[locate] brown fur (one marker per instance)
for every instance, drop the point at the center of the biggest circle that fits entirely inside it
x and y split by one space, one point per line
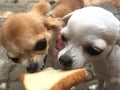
21 31
93 2
63 7
115 2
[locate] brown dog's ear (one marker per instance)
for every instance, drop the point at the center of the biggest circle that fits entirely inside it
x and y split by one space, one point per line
42 7
66 18
53 23
93 2
115 2
8 14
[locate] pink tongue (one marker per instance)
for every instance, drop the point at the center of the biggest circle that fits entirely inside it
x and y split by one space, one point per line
59 46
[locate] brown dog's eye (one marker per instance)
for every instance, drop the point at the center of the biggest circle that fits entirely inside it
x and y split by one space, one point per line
14 59
41 45
93 51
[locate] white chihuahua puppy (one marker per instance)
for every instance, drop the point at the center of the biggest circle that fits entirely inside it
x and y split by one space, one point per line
92 34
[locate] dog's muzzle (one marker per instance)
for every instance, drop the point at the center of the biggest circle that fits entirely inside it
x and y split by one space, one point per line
66 61
33 67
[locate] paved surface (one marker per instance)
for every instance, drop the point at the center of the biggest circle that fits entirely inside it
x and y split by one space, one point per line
9 71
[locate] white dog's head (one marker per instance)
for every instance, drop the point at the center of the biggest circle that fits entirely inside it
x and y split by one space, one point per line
90 34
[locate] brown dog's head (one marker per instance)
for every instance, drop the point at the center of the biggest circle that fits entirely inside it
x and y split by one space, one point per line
28 36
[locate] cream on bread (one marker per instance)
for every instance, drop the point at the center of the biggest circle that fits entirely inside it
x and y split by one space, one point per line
51 79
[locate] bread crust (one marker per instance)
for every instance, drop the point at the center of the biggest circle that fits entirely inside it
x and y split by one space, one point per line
56 79
71 80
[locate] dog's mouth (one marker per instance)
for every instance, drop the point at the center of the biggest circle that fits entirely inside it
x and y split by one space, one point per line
59 45
66 68
44 61
34 67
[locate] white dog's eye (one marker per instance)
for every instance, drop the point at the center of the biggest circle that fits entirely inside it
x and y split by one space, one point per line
64 38
93 50
41 45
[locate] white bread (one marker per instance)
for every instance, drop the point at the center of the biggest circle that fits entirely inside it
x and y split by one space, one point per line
51 79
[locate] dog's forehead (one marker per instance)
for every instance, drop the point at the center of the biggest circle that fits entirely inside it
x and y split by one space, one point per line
92 20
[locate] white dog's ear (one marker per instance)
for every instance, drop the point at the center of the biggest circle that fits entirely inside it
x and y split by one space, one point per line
118 40
8 14
66 18
115 52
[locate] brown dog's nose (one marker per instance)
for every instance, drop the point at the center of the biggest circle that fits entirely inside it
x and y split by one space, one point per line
66 60
32 67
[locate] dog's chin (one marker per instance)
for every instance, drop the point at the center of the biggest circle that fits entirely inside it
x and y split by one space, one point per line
71 68
66 68
44 63
74 66
78 65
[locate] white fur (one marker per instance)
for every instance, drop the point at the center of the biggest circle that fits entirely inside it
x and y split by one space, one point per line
97 27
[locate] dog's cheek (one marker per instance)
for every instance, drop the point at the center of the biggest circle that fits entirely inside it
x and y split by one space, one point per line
78 62
24 62
78 56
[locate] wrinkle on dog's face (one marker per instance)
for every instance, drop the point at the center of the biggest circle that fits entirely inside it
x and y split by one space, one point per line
89 38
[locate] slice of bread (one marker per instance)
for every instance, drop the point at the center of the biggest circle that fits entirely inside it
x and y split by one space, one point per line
51 79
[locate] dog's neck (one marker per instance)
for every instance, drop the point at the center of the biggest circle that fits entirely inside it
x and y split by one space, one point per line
109 73
109 69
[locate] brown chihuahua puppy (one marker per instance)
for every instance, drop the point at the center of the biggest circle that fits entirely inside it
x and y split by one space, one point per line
63 7
28 37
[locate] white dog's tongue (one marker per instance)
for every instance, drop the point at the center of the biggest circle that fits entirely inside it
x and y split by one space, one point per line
59 46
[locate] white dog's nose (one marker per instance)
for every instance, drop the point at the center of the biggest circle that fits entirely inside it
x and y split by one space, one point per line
65 61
